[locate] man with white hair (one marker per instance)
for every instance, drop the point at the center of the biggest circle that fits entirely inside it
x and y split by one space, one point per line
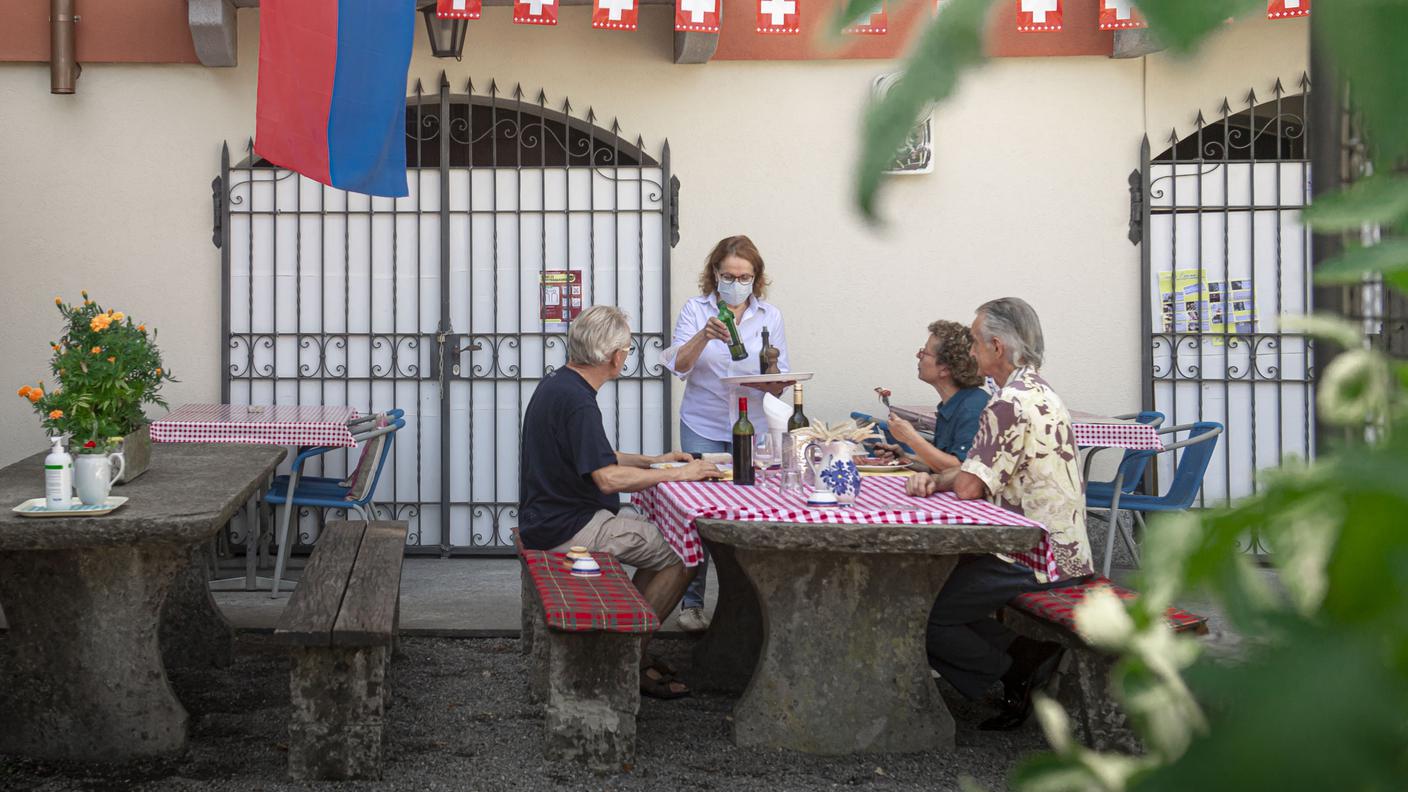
570 477
1023 459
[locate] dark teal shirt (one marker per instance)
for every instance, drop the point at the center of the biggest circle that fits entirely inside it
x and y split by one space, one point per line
956 421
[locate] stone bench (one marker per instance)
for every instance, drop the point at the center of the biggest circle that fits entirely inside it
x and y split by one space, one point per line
1082 682
584 635
340 624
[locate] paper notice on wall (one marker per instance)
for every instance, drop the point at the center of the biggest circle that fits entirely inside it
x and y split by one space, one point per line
1188 300
1243 310
1190 303
562 295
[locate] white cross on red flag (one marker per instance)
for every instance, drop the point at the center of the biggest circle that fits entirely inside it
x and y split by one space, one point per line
1119 15
1283 9
875 24
615 14
458 9
780 16
697 16
1038 16
535 12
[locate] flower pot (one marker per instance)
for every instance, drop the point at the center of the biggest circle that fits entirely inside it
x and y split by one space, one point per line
136 448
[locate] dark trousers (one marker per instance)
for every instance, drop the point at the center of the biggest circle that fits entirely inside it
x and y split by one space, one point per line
967 646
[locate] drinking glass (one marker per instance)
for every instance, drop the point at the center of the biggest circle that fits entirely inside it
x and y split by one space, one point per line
767 453
789 482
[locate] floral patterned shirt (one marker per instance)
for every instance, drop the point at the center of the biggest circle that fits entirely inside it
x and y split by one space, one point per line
1025 453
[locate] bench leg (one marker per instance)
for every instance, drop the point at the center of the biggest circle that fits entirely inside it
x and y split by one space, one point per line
526 616
593 697
1084 692
338 705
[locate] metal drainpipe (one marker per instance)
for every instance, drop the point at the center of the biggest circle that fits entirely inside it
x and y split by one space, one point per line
63 60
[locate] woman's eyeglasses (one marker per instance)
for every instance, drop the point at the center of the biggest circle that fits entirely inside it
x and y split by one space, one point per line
746 280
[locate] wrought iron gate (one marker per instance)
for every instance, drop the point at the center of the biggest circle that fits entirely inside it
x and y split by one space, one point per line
435 303
1224 255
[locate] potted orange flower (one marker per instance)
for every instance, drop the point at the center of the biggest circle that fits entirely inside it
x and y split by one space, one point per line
107 368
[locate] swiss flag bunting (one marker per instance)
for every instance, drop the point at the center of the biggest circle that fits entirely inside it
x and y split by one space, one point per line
1281 9
874 25
1038 16
1120 14
697 16
615 14
458 9
535 12
779 16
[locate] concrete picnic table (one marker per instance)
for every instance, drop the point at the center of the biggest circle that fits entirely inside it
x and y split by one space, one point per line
83 666
826 622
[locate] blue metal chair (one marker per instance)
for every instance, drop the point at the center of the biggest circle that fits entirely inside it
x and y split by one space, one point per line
884 427
1132 464
329 493
1197 448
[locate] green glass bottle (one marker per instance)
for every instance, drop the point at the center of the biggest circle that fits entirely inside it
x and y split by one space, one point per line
799 418
735 346
743 445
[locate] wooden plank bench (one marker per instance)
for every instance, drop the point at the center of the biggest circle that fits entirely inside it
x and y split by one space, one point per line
1082 682
341 625
585 638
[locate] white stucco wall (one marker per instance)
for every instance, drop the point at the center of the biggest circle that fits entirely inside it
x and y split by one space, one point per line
108 190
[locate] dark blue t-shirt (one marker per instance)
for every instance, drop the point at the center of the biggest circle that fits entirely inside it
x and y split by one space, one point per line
563 442
956 421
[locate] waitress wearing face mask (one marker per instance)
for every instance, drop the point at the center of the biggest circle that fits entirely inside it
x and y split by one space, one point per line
733 275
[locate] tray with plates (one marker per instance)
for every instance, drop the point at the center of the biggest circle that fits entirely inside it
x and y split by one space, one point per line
762 379
35 507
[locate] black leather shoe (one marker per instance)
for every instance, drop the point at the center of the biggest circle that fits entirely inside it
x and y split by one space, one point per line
1017 699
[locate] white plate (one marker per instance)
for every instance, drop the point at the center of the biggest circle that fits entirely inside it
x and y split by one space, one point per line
667 465
34 507
757 379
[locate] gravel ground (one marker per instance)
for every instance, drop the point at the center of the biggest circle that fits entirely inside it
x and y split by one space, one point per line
460 721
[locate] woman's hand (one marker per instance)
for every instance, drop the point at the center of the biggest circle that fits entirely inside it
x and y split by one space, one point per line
903 430
887 451
714 330
775 388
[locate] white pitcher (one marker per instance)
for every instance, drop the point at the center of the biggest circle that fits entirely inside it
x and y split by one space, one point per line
833 467
93 476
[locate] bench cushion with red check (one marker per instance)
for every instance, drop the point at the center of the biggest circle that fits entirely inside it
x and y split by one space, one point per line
608 603
1058 605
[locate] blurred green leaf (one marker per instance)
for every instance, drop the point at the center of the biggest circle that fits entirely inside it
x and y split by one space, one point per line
1391 255
1321 711
1366 38
952 43
852 11
1182 24
1378 199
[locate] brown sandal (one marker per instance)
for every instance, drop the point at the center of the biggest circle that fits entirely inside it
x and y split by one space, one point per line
661 686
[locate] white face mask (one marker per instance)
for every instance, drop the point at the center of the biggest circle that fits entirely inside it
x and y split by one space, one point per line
734 293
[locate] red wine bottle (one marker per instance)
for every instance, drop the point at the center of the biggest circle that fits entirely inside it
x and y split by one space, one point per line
743 445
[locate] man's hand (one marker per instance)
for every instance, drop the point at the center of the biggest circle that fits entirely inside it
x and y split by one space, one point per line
903 430
920 485
698 470
672 456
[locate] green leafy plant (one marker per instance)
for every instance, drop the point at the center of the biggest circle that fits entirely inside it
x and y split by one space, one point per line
107 367
1318 698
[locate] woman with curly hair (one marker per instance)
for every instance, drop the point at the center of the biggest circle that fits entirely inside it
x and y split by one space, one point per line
946 363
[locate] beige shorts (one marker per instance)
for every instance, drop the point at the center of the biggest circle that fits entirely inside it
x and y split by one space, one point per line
630 539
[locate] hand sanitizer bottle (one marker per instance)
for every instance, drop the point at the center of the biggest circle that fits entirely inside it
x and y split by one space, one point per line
58 476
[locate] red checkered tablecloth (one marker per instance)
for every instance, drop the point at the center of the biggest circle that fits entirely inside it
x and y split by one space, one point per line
675 505
1091 431
607 603
286 425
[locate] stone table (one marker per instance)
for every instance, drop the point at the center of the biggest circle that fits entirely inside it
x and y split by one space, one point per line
81 670
831 620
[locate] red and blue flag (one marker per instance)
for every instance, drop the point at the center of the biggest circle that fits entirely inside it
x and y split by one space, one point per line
332 91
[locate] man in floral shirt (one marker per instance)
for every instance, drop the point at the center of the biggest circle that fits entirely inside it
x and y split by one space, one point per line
1023 459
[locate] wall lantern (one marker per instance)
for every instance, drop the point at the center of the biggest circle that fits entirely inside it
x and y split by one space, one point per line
446 35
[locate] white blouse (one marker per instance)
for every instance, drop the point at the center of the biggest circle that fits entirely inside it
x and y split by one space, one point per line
709 406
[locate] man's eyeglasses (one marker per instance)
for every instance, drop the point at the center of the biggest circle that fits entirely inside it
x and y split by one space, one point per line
746 280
